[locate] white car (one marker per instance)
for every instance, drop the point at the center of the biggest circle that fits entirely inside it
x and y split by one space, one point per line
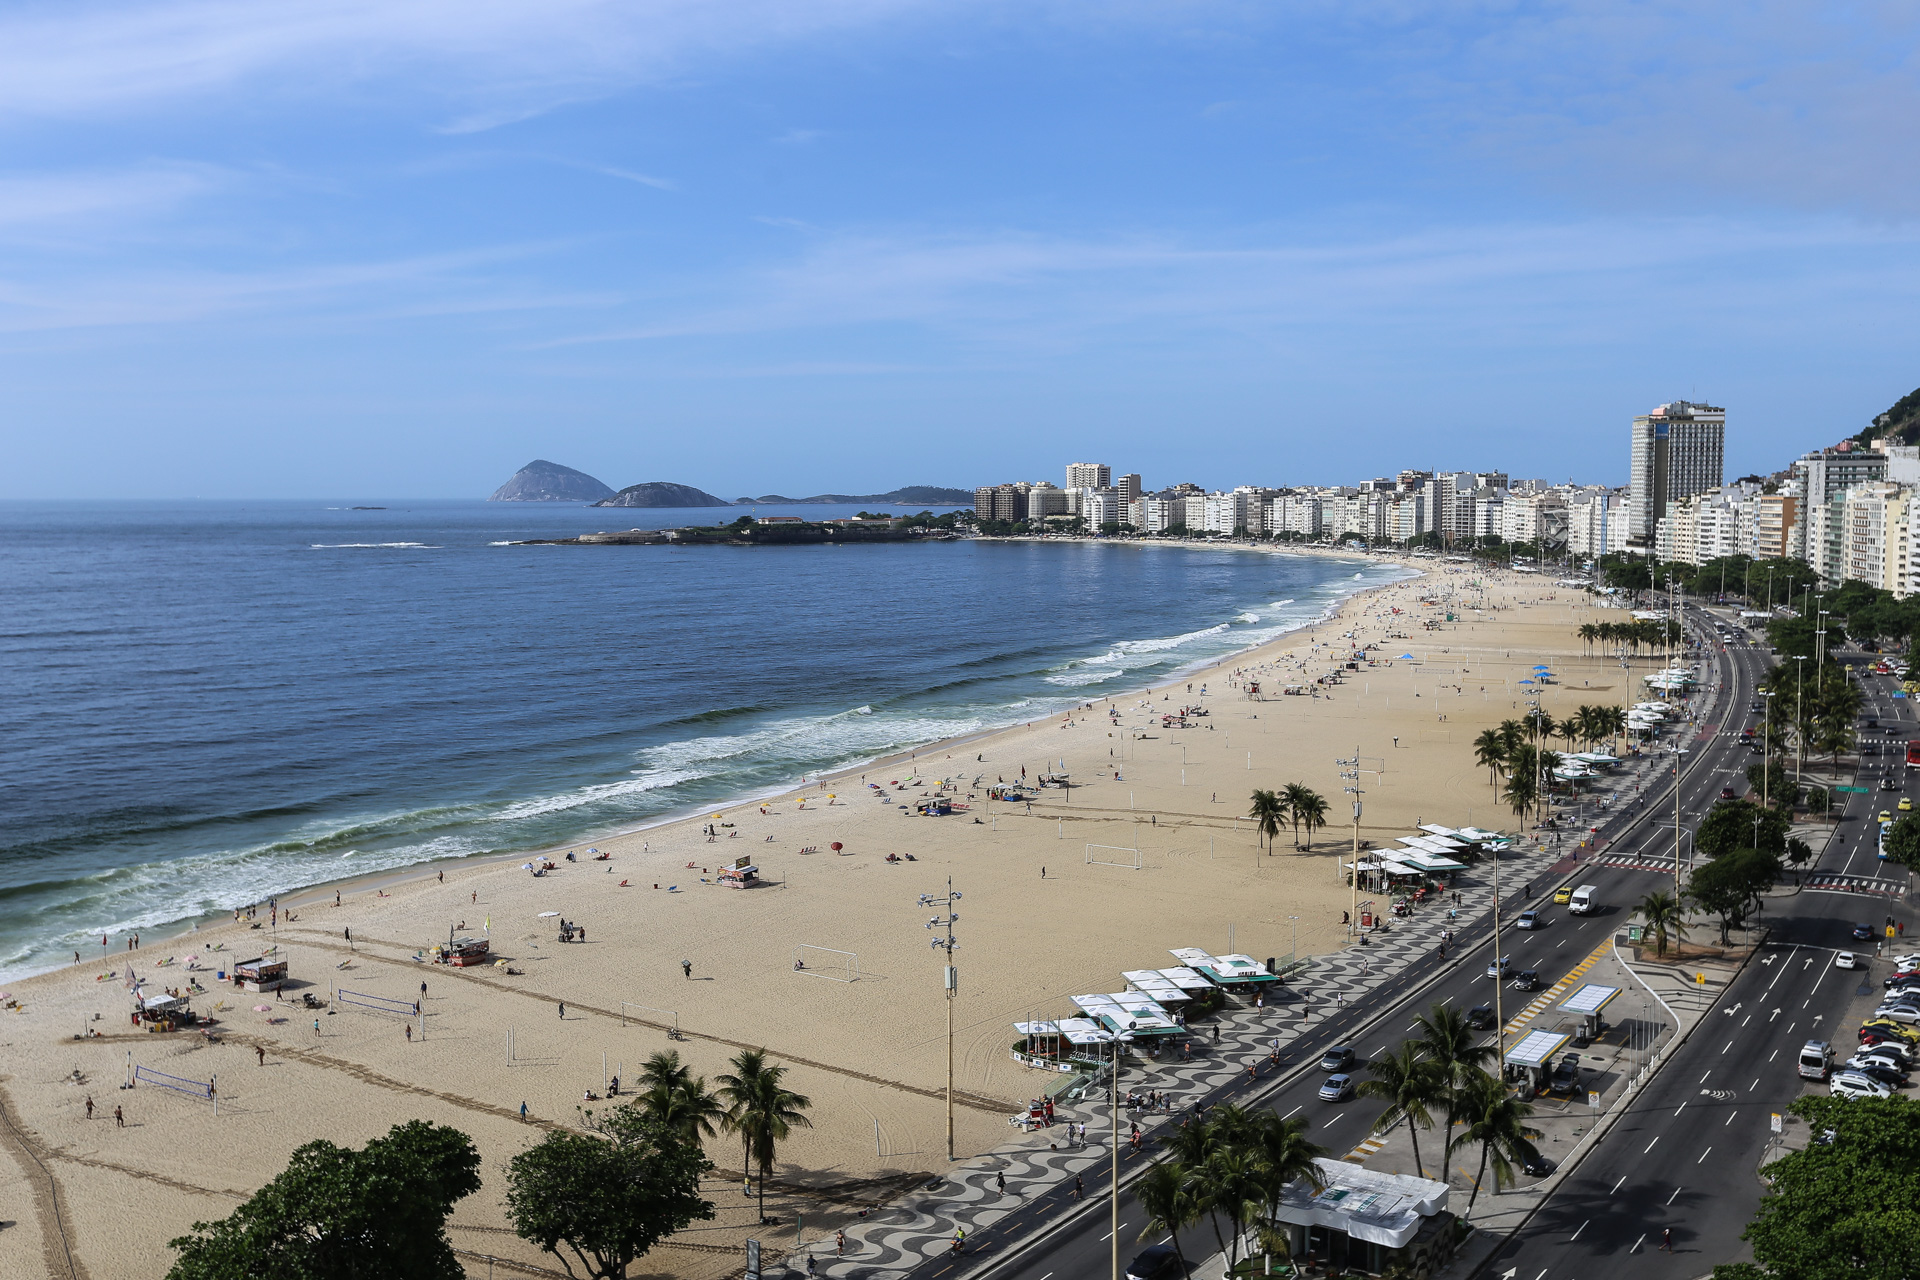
1847 960
1908 1013
1908 961
1851 1084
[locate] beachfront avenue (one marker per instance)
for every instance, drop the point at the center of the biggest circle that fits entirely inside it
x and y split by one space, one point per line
1707 1110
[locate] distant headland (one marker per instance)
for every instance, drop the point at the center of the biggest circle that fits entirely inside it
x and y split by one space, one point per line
543 481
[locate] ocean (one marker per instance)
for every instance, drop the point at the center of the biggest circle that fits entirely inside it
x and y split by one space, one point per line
203 704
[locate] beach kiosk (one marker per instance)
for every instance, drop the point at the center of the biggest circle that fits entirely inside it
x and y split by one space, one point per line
1587 1004
741 875
1531 1061
1363 1220
463 952
1129 1015
260 974
162 1012
1068 1044
1242 974
1157 987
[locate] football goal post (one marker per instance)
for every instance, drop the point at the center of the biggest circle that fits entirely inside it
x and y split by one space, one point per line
1122 857
639 1013
826 962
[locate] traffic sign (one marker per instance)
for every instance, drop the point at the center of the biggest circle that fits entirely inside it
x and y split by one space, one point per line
1855 791
1777 1125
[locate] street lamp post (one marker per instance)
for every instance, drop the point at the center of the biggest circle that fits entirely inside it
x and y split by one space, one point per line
950 979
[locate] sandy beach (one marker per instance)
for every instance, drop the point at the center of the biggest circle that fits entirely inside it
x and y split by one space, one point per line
1039 923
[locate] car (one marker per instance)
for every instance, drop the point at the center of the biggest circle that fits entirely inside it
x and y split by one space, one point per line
1847 960
1480 1017
1889 1029
1888 783
1338 1058
1728 793
1899 1011
1529 920
1905 805
1527 980
1884 1054
1875 1069
1872 723
1886 817
1851 1084
1500 968
1563 895
1566 1075
1899 1051
1337 1088
1909 961
1535 1165
1154 1262
1901 977
1862 933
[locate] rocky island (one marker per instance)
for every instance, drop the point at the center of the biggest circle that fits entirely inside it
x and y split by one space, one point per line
543 481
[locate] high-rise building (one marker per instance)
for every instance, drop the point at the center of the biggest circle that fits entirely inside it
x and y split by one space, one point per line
1128 487
1089 475
1678 450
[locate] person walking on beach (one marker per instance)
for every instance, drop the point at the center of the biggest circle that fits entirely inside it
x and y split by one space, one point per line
260 1052
119 1119
316 1028
523 1113
409 1027
89 1106
686 968
563 1011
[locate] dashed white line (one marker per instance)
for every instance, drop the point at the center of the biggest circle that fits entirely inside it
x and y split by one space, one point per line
1616 1186
1729 1046
1329 1124
1656 1138
1704 1155
1638 1243
1682 1107
1289 1114
1731 1115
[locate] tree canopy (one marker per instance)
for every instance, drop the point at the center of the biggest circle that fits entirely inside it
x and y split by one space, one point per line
1846 1207
605 1198
378 1213
1731 885
1741 824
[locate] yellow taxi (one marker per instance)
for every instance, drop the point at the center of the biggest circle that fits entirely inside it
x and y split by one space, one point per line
1885 816
1564 894
1905 805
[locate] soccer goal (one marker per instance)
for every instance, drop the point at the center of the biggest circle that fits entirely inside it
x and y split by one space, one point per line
200 1089
376 1004
826 962
1122 857
638 1013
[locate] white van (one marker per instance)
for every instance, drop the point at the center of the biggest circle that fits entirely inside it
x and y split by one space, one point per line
1585 900
1816 1060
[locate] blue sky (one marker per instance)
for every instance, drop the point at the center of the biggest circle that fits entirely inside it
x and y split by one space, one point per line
398 249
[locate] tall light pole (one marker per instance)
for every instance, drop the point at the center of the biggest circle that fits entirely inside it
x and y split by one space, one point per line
1350 771
951 978
1113 1185
1799 725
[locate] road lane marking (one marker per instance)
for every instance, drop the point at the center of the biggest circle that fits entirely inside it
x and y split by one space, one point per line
1656 1138
1776 1052
1704 1155
1616 1186
1329 1124
1638 1243
1703 1079
1682 1107
1754 1085
1287 1116
1577 1231
1731 1115
1729 1046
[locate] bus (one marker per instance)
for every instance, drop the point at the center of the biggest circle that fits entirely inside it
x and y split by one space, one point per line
1913 754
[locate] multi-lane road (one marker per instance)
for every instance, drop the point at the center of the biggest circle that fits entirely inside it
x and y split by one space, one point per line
1684 1156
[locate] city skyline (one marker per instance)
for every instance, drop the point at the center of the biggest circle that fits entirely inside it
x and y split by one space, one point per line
399 250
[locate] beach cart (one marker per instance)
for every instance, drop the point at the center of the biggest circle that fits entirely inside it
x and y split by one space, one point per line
260 974
162 1012
741 875
463 952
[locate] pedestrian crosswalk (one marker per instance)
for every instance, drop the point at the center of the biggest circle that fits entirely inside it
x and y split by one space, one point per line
1553 993
1833 882
1360 1153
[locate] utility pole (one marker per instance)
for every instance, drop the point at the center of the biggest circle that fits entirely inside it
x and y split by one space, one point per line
951 979
1113 1187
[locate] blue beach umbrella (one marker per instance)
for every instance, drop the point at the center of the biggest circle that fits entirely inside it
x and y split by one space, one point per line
1526 682
1409 657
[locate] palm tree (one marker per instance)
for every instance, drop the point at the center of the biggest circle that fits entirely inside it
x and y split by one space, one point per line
678 1099
1490 750
762 1111
1268 811
1498 1122
1450 1045
1513 733
1163 1192
1310 808
1230 1183
1411 1085
1664 916
1292 796
1286 1156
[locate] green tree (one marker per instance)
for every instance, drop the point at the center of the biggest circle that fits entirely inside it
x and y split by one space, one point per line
1496 1121
762 1111
678 1099
1903 840
1490 752
1164 1193
341 1214
1731 886
1770 779
1268 811
1451 1045
1848 1209
1665 918
1740 824
1411 1084
1308 807
604 1198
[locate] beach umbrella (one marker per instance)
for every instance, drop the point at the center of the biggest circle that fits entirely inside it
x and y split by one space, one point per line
263 1008
1407 656
1526 682
835 846
1540 667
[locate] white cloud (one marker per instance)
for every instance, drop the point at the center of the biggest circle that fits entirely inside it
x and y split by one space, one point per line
509 58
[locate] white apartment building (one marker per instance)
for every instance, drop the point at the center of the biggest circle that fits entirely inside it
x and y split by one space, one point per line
1297 513
1044 500
1089 475
1875 535
1101 507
